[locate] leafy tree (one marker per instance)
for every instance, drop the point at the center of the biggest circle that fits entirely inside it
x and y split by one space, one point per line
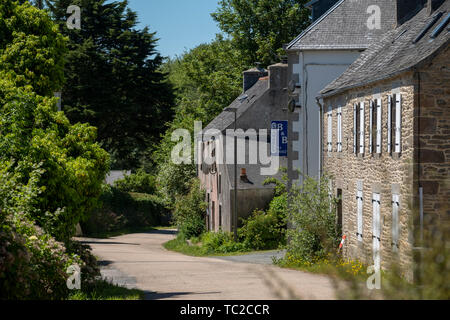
31 48
113 78
206 79
259 28
37 143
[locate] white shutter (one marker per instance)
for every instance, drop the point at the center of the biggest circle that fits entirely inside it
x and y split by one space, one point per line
376 230
398 123
339 128
330 129
389 125
371 108
359 209
354 127
361 128
395 221
379 128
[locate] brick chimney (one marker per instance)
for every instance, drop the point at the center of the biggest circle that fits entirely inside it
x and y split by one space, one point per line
406 9
251 76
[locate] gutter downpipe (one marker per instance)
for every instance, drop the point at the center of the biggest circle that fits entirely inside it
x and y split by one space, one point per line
320 135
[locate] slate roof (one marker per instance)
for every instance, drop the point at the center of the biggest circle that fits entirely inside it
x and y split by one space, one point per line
225 119
344 26
395 52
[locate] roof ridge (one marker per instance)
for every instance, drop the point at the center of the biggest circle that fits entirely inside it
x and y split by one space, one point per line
312 25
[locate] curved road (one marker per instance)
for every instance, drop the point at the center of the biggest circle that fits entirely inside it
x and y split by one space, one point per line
140 261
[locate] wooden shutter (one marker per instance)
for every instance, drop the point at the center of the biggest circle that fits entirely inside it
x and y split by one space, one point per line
361 127
395 221
339 129
371 108
398 123
376 201
330 129
355 123
379 127
359 213
389 125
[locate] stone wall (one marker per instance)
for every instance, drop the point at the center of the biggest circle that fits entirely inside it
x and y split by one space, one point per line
384 173
433 136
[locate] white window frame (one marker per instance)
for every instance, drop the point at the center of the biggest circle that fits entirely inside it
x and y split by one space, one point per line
359 214
379 125
330 129
362 127
339 129
395 222
398 123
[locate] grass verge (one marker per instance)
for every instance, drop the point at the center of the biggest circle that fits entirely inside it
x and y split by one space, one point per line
104 290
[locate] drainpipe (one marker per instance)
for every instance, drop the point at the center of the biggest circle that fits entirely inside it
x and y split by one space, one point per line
320 135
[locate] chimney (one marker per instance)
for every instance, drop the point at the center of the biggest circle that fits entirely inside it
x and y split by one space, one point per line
251 76
406 9
278 74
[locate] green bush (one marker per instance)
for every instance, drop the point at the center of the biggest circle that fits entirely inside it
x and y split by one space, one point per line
220 242
140 182
189 212
260 231
312 213
122 210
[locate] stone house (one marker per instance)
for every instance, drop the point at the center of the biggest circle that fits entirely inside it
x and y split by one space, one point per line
386 133
262 102
339 32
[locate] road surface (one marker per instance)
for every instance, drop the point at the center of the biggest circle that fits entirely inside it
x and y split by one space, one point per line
140 261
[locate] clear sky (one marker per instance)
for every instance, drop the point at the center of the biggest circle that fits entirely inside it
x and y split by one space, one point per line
180 24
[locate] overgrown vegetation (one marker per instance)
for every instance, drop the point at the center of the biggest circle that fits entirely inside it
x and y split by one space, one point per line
123 211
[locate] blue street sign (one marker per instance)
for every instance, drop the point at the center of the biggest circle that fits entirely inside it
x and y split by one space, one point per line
279 147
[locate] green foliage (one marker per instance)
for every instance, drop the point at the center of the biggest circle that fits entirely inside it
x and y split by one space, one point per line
31 48
73 166
104 290
189 212
122 210
262 231
128 99
220 242
259 28
140 182
312 213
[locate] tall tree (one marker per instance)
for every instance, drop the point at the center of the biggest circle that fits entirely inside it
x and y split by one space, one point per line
113 78
259 28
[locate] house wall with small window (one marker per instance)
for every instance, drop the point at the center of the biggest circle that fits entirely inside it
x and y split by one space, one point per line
368 149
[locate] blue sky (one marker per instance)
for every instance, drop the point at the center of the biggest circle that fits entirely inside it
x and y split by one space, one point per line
180 24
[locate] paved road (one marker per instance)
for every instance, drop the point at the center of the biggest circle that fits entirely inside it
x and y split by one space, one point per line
140 261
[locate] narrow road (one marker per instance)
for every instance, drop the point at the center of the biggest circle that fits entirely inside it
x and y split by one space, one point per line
140 261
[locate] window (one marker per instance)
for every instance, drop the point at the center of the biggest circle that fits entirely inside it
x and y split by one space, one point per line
379 127
398 123
330 129
395 221
339 212
359 209
219 184
361 127
339 129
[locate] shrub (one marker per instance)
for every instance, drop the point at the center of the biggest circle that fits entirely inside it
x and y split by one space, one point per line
220 242
140 182
32 264
189 212
121 210
260 231
312 213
